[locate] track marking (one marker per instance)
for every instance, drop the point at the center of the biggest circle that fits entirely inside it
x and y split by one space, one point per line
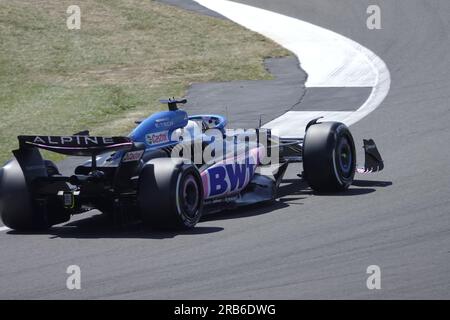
330 59
292 123
4 229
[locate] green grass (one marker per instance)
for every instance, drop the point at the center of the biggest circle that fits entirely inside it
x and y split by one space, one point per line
127 55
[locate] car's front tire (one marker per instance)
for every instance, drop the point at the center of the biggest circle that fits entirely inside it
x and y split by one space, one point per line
329 157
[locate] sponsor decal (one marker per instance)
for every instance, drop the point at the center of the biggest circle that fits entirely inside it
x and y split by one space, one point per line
71 140
163 123
157 137
133 156
228 178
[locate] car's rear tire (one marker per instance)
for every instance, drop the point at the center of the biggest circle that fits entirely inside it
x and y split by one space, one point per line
170 194
17 210
329 157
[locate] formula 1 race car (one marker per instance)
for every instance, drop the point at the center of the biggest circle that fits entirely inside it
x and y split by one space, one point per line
170 169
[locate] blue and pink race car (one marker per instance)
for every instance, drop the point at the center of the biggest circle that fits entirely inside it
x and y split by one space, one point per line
171 169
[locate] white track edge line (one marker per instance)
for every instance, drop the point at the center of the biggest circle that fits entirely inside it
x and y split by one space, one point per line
298 42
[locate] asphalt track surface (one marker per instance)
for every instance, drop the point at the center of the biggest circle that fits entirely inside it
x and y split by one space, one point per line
304 245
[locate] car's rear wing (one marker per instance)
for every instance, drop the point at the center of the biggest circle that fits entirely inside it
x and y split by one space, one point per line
32 163
77 145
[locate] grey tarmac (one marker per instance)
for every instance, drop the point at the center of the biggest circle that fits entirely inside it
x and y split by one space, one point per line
303 245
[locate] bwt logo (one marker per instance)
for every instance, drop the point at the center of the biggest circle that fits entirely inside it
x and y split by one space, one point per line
228 178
